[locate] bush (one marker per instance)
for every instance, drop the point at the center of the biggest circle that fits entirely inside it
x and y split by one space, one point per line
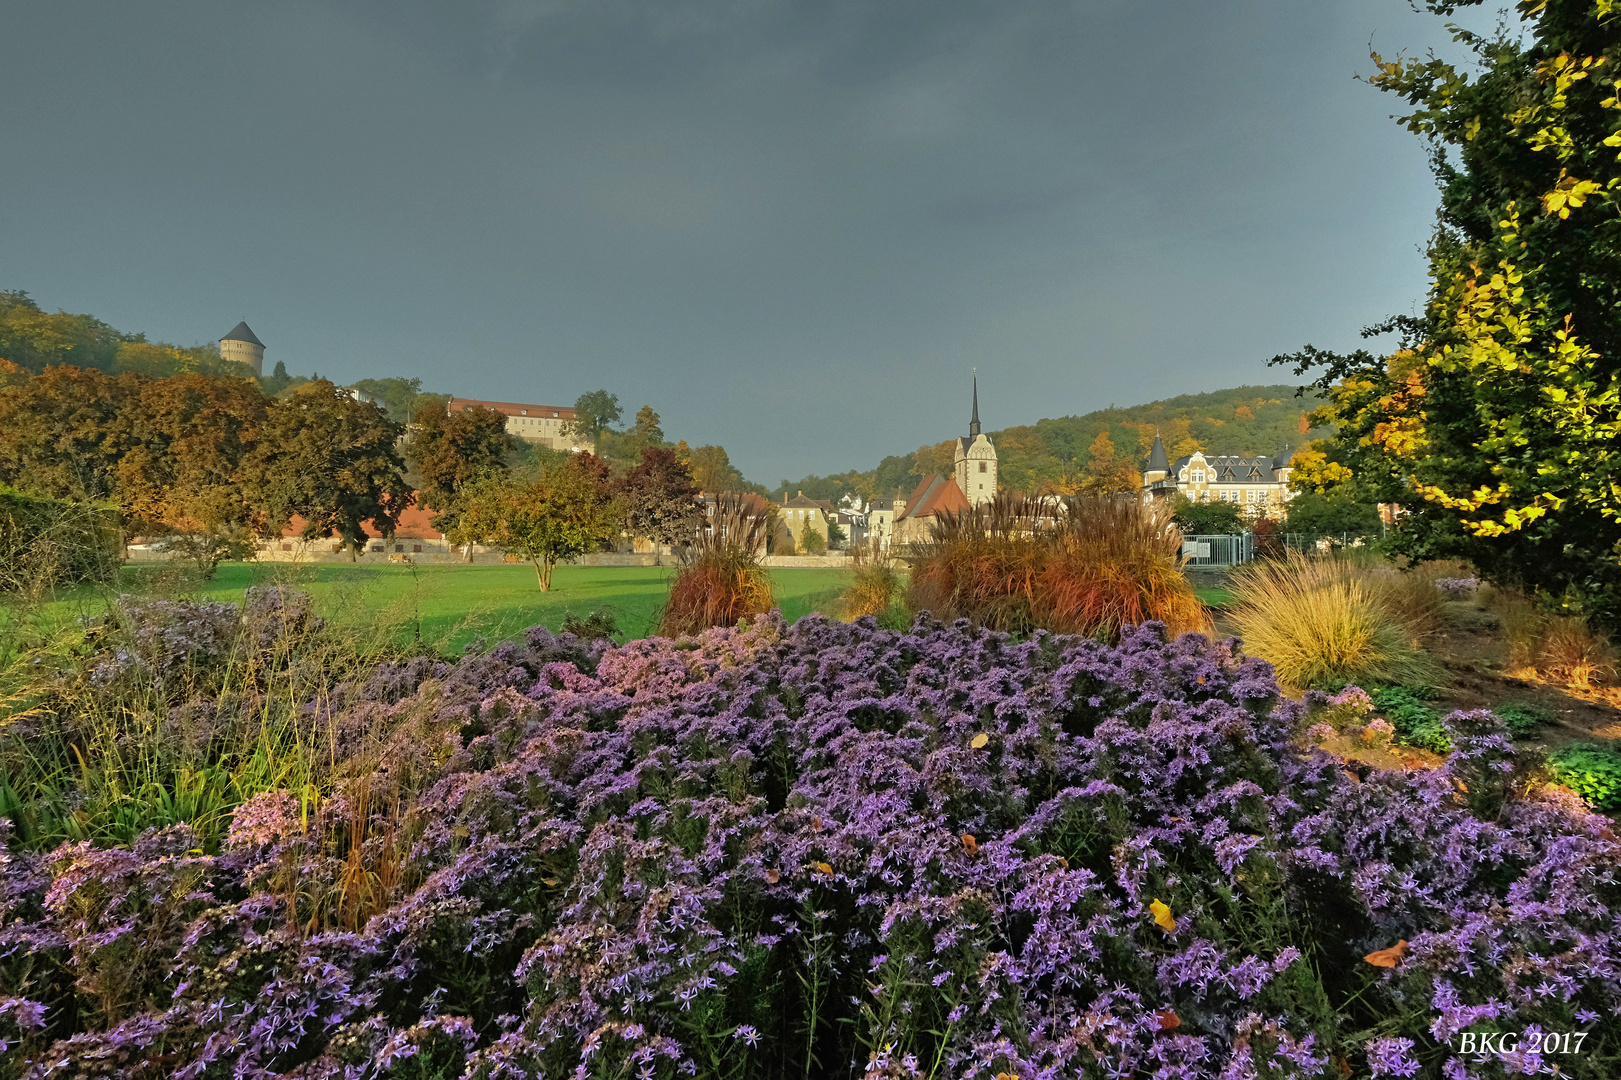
721 580
1561 644
1086 566
599 625
1591 770
1322 621
1523 718
811 542
50 542
772 851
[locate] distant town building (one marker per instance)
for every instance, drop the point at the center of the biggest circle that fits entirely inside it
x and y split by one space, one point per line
974 459
799 513
1258 485
934 495
241 346
540 424
881 515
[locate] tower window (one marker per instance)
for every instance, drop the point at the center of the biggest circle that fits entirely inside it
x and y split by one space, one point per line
982 469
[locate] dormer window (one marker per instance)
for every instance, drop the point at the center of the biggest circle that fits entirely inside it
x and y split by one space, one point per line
1198 476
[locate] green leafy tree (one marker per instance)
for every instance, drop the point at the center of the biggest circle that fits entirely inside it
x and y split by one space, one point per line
646 429
1336 514
1206 518
400 398
330 460
1497 420
594 413
836 536
556 514
811 540
448 450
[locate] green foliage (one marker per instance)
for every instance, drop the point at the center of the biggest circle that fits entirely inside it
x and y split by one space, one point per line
49 542
1206 518
1591 770
599 625
811 541
1333 515
332 461
594 413
448 450
545 518
1497 420
1523 718
1415 722
400 398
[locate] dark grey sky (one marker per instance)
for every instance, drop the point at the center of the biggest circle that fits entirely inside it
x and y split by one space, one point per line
791 227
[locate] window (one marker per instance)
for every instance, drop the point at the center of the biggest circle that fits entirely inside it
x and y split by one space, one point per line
285 546
417 548
399 547
377 547
983 468
1198 476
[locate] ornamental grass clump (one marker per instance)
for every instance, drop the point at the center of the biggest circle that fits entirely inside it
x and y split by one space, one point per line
875 582
1321 621
828 850
1075 566
721 580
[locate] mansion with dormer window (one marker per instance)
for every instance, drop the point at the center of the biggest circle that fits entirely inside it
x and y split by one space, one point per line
1259 485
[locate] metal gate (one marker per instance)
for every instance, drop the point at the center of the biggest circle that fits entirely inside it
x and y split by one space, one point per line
1217 552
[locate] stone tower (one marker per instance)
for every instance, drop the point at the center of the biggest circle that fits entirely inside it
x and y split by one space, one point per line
240 345
975 460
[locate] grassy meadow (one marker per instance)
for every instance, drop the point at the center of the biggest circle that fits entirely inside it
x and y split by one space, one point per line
447 606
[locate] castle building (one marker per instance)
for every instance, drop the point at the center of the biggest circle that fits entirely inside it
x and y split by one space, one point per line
975 460
241 346
541 424
1259 485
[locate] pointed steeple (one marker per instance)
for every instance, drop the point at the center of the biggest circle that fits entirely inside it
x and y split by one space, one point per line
1157 460
973 423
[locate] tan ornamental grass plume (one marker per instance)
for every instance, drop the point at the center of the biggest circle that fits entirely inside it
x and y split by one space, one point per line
1330 619
875 582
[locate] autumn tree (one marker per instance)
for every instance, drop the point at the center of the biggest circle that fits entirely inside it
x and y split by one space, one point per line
1206 518
64 431
400 398
1106 473
660 499
1496 420
449 450
331 460
552 515
712 470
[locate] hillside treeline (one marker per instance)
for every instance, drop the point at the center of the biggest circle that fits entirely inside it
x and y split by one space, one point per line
1102 449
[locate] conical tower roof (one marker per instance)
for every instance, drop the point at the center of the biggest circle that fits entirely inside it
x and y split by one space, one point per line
240 332
1157 461
973 422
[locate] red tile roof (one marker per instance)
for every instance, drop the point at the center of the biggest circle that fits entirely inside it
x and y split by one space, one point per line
935 495
414 525
512 408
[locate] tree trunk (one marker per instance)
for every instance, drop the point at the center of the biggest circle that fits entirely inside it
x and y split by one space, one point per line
353 550
543 574
469 553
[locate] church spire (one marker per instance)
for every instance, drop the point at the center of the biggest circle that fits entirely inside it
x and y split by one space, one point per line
973 423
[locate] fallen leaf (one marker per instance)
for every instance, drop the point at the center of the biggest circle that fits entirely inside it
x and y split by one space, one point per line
460 830
816 824
1344 1066
773 875
978 741
548 881
823 868
1162 917
1168 1020
1387 958
1063 862
969 843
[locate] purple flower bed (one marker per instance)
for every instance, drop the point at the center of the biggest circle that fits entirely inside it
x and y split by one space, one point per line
829 850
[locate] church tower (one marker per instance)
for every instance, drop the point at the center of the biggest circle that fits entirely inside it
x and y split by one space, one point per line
240 345
975 459
1159 466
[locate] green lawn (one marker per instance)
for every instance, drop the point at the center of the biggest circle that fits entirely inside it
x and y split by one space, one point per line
455 604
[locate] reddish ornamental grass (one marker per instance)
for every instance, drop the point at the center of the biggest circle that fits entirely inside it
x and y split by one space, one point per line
1078 565
721 579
